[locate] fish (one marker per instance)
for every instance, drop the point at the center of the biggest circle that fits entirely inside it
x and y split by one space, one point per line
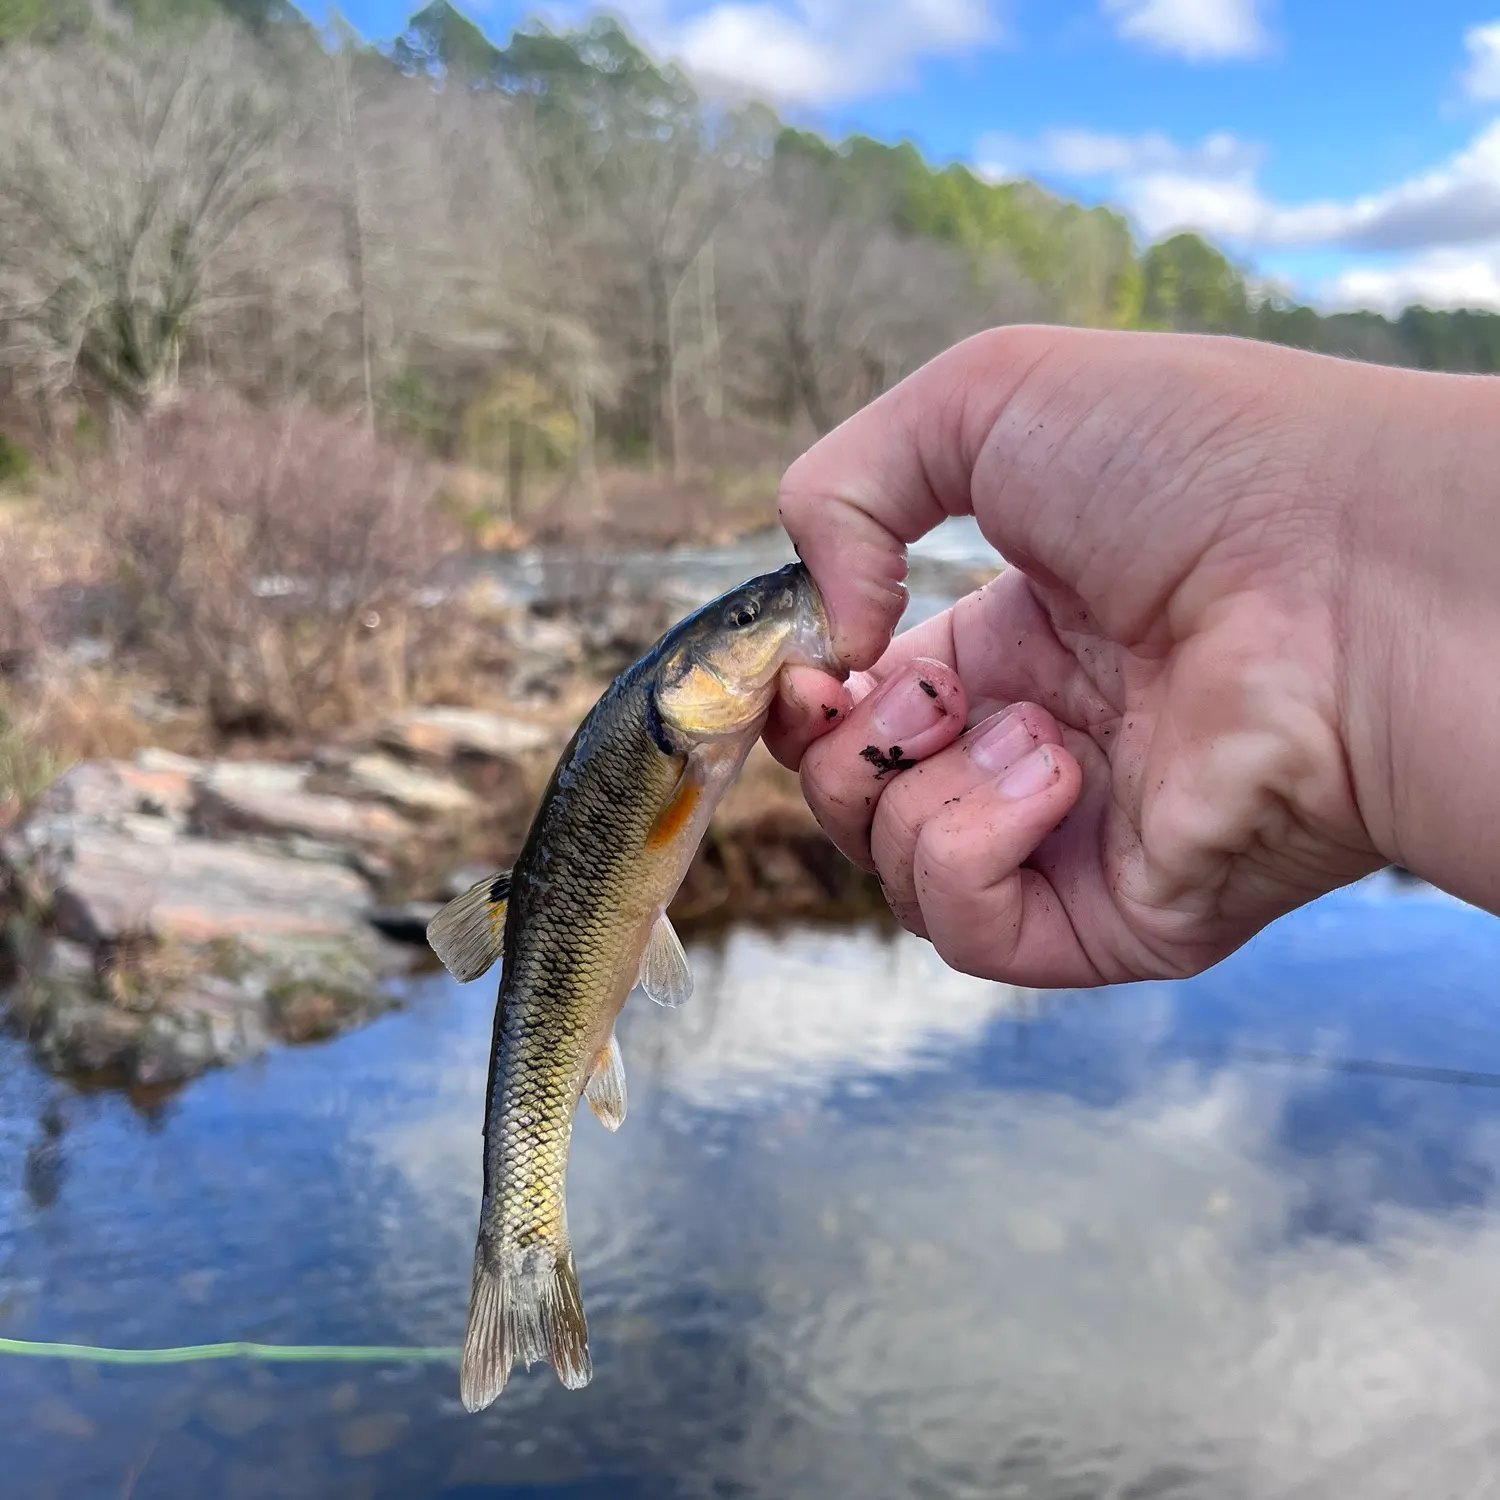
580 921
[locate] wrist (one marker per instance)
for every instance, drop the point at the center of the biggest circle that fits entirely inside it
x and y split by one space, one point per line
1421 625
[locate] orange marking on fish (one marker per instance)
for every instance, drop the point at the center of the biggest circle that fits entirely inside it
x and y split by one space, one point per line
676 815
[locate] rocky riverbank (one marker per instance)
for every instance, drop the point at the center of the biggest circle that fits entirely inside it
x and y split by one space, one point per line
166 915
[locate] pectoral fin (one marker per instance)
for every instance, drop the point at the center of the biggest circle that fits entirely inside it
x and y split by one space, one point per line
605 1089
678 813
665 975
468 934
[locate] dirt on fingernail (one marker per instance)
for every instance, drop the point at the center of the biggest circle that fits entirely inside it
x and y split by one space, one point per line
886 761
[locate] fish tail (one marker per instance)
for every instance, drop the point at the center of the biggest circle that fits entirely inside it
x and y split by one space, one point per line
525 1310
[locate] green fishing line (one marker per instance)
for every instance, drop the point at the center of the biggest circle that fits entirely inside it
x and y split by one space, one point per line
266 1353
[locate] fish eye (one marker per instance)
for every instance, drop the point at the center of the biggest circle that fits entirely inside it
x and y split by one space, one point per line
747 612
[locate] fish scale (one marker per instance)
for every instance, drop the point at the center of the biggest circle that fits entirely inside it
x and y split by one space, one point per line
578 920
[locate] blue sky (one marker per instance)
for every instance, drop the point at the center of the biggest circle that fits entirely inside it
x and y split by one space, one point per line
1348 148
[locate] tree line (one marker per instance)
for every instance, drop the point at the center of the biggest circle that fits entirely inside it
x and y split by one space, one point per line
534 255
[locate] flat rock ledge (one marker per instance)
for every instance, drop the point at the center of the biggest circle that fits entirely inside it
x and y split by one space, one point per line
166 915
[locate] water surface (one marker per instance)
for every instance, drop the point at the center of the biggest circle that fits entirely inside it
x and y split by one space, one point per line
871 1229
941 565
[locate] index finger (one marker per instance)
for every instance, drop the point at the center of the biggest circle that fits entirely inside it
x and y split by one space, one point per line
896 469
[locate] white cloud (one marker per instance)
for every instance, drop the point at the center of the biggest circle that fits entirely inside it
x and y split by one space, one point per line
977 1280
813 51
1482 78
1446 220
767 1041
1443 279
1089 153
1200 30
1457 203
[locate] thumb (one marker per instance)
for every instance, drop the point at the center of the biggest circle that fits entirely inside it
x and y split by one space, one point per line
1054 438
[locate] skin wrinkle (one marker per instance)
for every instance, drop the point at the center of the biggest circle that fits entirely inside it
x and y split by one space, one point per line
1420 541
979 421
1289 508
1086 717
1276 770
899 818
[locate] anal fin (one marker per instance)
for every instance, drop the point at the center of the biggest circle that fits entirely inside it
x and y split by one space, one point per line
605 1089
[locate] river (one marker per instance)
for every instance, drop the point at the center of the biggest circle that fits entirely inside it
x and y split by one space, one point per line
872 1229
940 565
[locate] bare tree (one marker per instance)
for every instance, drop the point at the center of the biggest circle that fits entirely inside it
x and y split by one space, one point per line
129 179
837 305
630 157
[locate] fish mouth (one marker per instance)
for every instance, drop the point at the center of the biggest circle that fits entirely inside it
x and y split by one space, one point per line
811 641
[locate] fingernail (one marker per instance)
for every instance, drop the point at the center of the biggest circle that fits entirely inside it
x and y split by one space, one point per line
909 706
1031 774
1002 741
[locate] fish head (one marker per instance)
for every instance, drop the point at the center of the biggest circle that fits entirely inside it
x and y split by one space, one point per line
718 668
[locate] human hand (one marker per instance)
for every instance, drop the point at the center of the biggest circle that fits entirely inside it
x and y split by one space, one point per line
1161 727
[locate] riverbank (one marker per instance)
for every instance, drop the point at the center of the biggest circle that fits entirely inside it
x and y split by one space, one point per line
183 889
167 914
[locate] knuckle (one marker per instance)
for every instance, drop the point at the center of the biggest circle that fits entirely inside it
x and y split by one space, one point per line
898 821
950 858
981 949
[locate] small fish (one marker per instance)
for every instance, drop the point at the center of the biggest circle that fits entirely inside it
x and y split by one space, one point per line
580 921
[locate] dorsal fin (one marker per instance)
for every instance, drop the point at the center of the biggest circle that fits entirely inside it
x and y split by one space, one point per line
468 934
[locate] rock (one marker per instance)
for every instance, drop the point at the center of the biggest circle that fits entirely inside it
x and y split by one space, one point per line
406 923
272 801
463 879
74 1032
152 950
379 1432
234 1413
416 793
68 961
170 915
102 791
108 886
556 642
446 735
156 760
270 778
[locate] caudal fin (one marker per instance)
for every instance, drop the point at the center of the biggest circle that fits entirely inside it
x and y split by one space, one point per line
528 1313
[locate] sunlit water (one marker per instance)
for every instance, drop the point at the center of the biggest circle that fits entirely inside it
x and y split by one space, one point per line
871 1230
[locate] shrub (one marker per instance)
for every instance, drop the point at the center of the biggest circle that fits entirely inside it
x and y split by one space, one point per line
271 561
15 462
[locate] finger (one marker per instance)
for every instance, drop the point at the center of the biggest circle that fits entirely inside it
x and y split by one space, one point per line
891 473
1052 438
808 704
943 782
986 914
915 713
1004 646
